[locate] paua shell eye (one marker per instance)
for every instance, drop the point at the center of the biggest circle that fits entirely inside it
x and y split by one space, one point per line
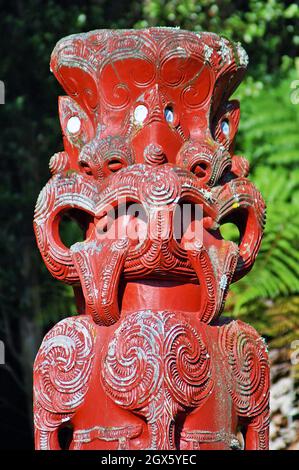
225 127
140 113
169 114
73 125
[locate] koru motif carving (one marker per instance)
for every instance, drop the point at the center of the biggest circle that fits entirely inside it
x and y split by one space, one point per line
62 372
149 173
156 366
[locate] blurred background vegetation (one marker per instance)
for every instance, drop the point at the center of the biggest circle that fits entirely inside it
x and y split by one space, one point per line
31 302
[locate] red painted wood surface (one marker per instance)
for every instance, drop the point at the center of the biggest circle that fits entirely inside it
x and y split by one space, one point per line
149 129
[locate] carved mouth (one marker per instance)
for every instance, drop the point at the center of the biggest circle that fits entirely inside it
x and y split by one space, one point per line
137 237
157 252
163 214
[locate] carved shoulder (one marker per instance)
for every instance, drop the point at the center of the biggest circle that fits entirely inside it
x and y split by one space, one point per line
248 379
62 370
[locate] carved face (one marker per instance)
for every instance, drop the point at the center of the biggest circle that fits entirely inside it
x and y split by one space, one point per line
148 133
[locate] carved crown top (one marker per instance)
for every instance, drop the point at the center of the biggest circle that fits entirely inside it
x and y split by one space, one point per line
92 63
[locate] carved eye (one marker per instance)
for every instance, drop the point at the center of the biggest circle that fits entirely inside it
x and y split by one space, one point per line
140 113
169 114
225 127
73 125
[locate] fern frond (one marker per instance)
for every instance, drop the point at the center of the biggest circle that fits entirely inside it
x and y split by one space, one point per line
269 138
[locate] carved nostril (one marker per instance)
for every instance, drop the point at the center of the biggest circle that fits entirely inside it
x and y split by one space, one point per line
115 165
85 168
154 155
200 169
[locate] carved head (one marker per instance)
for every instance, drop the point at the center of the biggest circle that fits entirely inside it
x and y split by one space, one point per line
149 130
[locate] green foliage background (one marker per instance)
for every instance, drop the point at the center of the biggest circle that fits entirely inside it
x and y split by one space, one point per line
31 302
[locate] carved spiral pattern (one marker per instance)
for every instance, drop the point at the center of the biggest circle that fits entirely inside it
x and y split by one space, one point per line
63 365
45 420
187 365
60 194
238 194
59 162
154 154
131 369
143 73
163 188
246 354
99 152
152 351
193 98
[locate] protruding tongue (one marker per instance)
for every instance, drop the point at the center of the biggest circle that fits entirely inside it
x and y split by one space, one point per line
214 269
99 265
202 265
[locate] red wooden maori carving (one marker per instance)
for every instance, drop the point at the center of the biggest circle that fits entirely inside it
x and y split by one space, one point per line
149 131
